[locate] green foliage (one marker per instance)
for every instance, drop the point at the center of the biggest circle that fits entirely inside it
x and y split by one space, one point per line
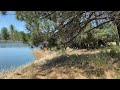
22 37
52 42
12 29
36 38
115 51
70 28
109 33
97 37
45 21
14 34
5 33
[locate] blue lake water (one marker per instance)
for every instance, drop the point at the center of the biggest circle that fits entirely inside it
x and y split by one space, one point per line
14 55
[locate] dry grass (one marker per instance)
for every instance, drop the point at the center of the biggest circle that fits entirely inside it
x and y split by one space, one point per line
69 64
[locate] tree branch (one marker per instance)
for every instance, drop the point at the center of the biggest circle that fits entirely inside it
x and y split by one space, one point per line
97 26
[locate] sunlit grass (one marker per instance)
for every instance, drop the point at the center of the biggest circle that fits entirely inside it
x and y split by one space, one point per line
71 64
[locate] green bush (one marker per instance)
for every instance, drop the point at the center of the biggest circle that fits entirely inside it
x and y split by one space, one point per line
115 51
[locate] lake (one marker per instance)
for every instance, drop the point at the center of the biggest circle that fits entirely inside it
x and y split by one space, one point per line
13 55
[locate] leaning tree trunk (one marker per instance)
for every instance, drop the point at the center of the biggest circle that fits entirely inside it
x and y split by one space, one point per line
118 30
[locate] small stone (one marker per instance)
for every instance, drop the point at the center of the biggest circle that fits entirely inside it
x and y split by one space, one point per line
18 73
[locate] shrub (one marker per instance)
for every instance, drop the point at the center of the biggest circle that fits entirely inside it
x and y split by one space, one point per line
115 51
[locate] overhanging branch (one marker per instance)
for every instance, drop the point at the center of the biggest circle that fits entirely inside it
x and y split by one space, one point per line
97 26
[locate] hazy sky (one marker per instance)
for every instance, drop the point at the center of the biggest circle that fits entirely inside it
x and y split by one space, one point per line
7 20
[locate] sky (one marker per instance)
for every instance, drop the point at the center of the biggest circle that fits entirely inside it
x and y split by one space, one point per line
7 20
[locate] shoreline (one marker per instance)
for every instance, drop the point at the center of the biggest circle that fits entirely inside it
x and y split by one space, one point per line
61 65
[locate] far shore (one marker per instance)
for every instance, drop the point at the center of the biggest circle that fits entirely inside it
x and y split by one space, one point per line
8 41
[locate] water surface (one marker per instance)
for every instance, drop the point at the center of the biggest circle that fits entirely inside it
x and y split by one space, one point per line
14 55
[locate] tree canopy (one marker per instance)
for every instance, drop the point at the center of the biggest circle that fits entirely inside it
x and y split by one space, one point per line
64 27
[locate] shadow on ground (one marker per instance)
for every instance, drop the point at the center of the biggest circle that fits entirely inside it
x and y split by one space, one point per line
70 60
92 65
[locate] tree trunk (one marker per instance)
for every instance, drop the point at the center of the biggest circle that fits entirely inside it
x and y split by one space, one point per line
118 29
